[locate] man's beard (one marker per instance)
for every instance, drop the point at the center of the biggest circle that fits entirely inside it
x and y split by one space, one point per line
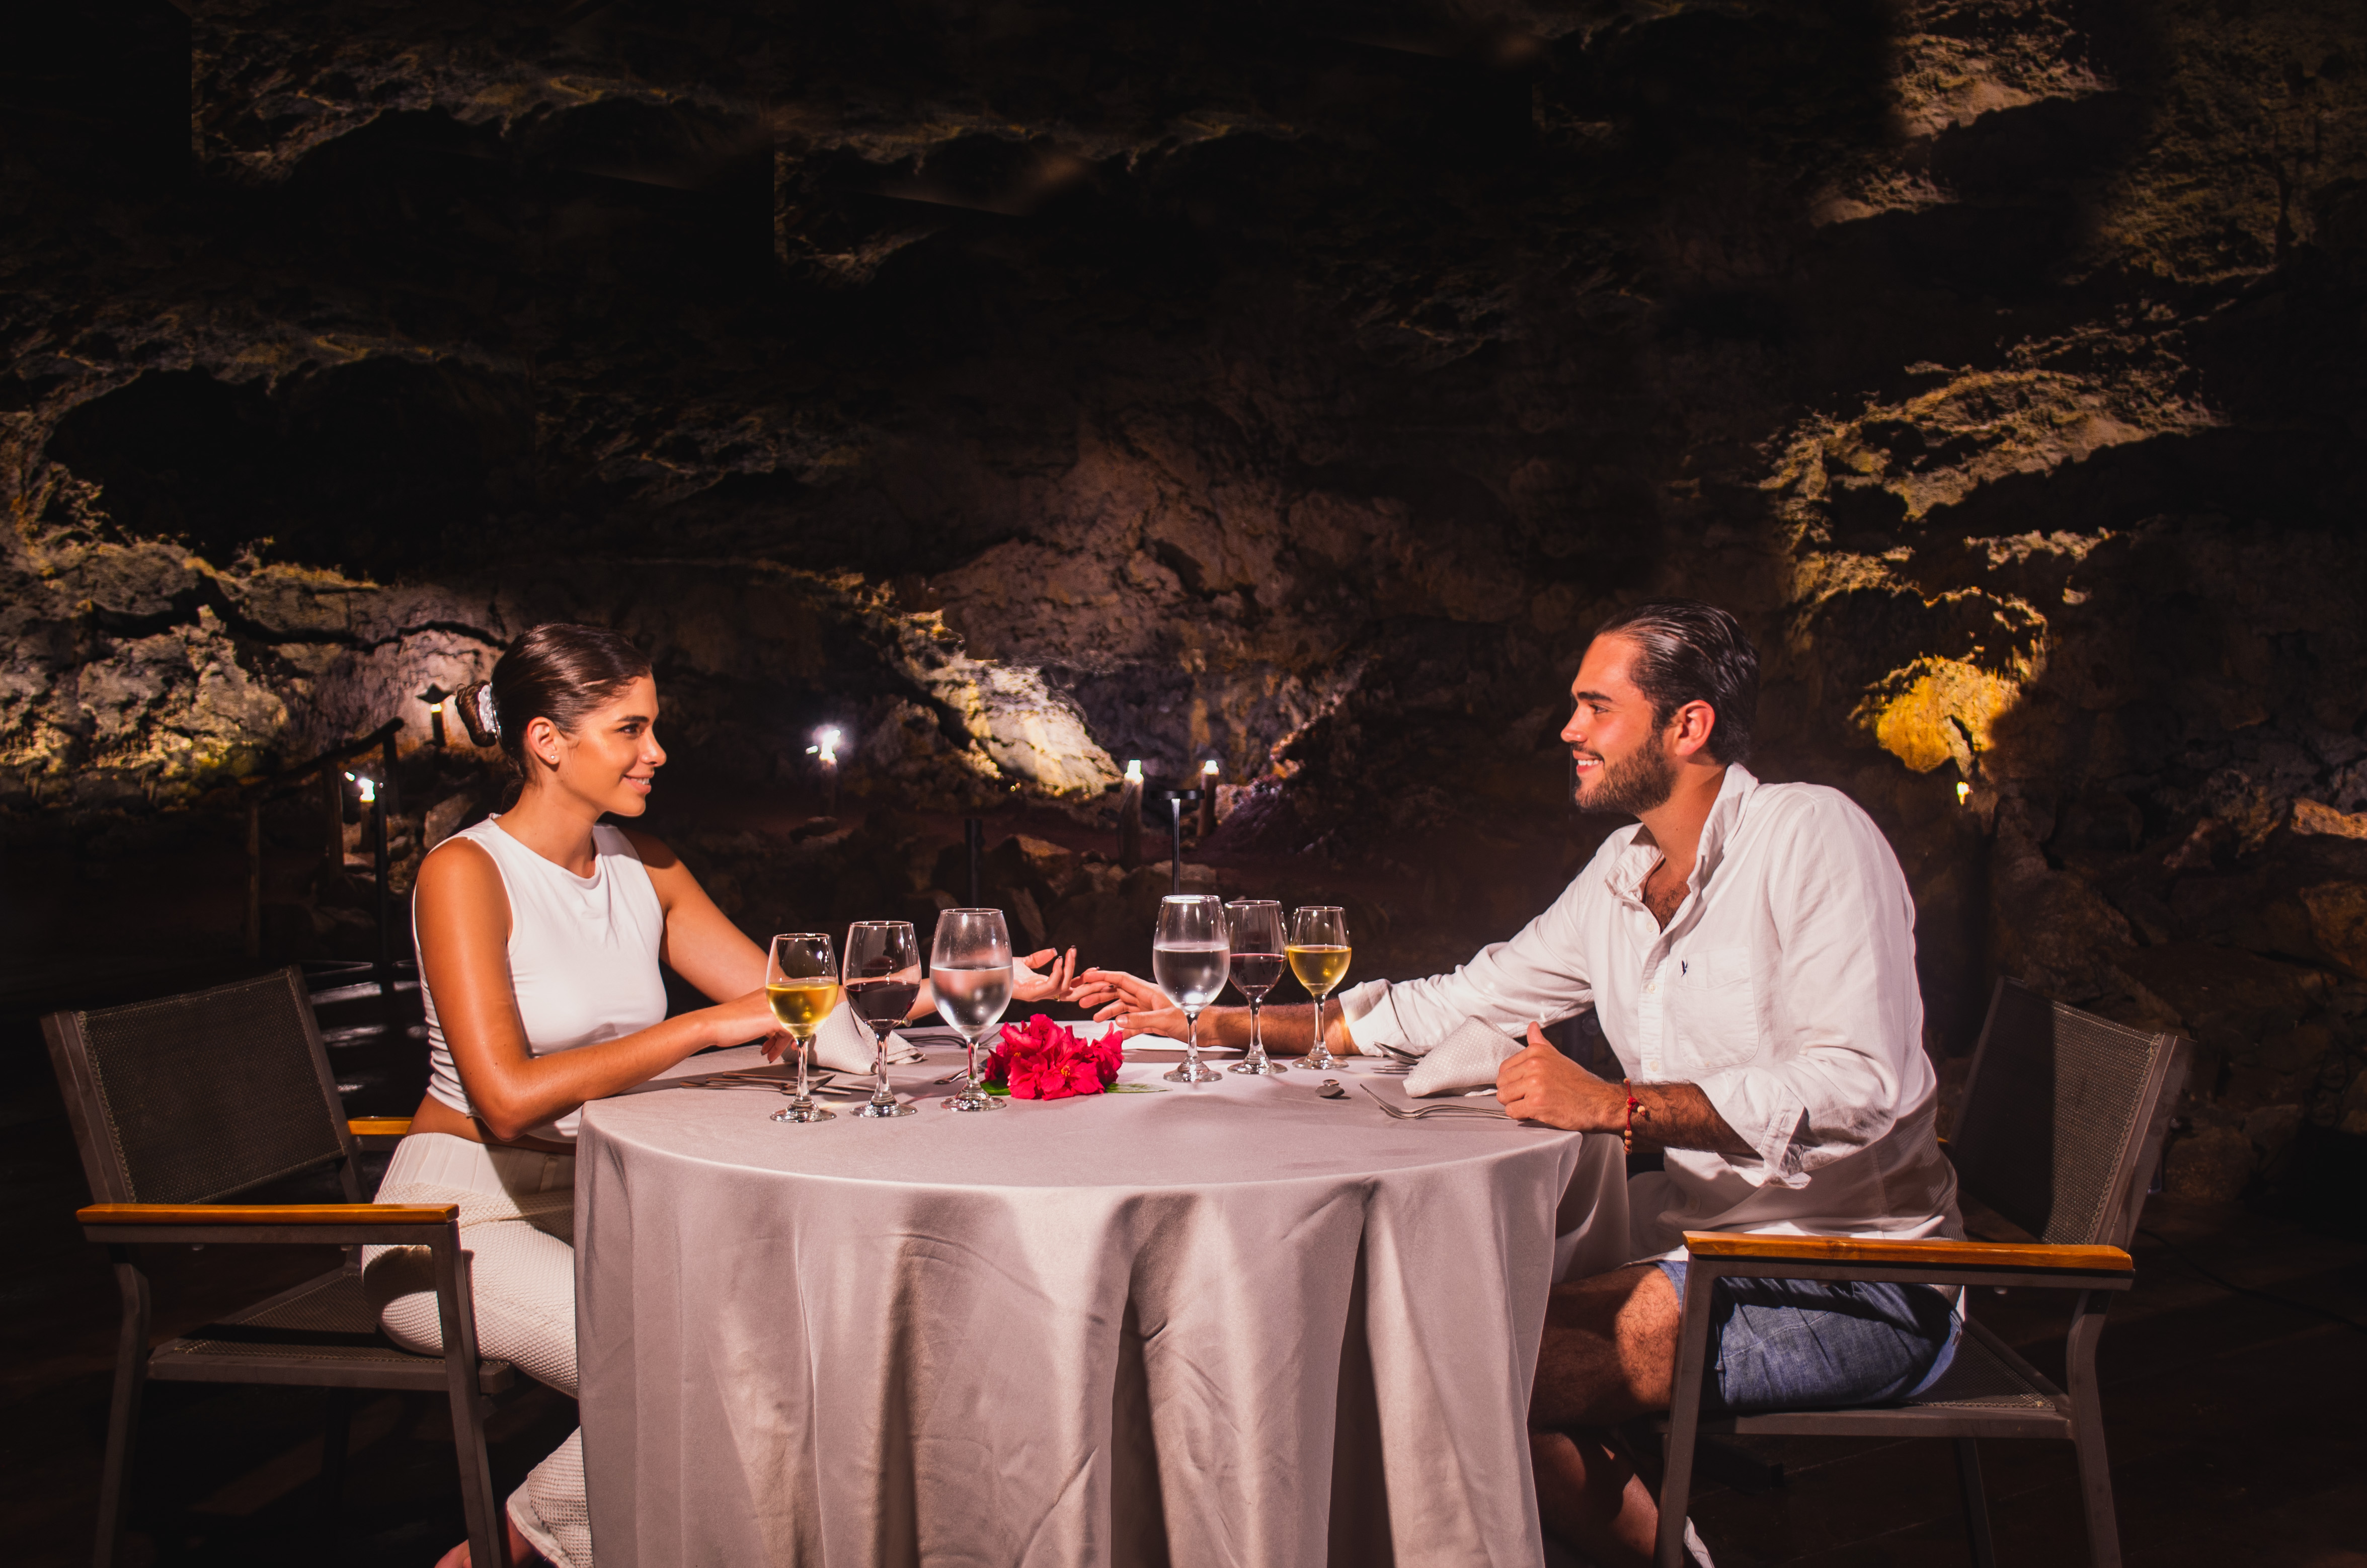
1637 783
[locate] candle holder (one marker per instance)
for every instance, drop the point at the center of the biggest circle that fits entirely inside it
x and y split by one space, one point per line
436 697
1129 818
1176 800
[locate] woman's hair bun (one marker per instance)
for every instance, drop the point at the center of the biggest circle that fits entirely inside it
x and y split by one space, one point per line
475 702
555 671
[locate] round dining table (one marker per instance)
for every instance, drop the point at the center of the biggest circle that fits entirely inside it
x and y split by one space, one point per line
1233 1323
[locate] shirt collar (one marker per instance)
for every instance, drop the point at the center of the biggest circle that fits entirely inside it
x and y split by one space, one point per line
1734 793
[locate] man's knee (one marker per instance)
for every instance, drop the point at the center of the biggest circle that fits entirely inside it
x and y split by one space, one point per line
1609 1350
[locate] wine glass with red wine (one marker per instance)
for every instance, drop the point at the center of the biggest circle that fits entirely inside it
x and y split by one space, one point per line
1257 969
883 975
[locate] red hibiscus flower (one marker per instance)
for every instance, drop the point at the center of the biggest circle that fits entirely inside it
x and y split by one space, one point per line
1039 1060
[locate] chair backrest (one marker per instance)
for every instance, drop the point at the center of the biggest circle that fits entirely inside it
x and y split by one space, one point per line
195 1099
2063 1118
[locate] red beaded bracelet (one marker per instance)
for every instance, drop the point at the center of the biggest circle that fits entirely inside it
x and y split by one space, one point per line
1628 1137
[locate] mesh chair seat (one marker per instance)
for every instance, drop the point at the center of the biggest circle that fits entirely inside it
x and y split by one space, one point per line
322 1332
1985 1376
1986 1390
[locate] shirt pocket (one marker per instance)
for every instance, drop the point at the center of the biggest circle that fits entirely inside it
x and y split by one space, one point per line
1714 1019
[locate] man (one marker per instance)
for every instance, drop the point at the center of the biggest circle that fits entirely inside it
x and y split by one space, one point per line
1748 951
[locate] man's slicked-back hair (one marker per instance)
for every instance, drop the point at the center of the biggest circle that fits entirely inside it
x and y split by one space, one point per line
1689 652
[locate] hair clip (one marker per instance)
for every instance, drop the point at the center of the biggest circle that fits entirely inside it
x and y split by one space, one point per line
486 714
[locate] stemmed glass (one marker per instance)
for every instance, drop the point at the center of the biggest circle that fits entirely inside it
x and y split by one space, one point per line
1319 953
969 966
1189 956
1257 969
801 983
883 975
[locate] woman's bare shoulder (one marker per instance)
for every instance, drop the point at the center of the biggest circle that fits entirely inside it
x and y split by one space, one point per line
463 870
651 849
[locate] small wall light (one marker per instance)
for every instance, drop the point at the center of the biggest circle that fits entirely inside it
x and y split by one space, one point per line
436 697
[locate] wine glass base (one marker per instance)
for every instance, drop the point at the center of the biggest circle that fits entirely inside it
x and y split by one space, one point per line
1322 1061
1268 1068
869 1109
804 1113
973 1102
1191 1072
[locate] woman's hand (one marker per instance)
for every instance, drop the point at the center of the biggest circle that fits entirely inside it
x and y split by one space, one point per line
745 1019
1054 986
1139 1006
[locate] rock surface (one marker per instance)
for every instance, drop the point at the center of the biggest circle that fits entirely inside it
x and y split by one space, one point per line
1027 389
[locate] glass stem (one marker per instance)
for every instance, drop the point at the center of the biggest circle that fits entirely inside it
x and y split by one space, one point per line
805 1059
879 1094
1192 1035
971 1090
1257 1034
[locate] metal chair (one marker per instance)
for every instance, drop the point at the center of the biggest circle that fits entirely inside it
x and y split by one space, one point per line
182 1103
2060 1132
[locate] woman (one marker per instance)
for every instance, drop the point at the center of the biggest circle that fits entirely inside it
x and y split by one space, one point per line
540 933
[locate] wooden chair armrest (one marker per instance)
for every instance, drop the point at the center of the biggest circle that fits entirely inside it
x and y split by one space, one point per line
379 1126
1941 1255
268 1213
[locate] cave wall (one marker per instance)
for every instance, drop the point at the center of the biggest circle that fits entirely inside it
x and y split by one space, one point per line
1025 389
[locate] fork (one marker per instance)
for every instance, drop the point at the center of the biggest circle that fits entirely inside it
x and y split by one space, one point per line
1450 1108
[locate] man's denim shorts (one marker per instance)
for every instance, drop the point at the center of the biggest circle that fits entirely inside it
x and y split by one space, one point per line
1820 1344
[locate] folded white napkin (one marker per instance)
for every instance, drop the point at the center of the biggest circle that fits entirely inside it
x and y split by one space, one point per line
1467 1059
842 1044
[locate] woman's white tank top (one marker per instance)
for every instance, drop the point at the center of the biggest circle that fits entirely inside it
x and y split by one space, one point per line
583 954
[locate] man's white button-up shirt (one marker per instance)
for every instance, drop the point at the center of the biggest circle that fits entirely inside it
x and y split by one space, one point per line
1783 987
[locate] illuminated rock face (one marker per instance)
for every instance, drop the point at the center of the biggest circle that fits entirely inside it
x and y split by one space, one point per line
1293 387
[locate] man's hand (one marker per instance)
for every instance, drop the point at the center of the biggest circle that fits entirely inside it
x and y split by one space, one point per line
1542 1084
1135 1004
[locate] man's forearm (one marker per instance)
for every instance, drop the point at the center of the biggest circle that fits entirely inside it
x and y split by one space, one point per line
1679 1116
1290 1028
1539 1084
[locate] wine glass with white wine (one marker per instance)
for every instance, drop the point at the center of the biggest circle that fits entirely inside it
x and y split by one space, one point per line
1190 957
1319 953
801 983
970 969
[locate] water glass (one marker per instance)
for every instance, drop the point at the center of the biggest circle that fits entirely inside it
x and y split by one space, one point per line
1190 957
970 969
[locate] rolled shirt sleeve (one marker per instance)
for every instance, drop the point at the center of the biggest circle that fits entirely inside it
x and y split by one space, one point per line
1838 1000
1539 976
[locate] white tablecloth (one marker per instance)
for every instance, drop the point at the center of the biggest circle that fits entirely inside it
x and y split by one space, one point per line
1228 1325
